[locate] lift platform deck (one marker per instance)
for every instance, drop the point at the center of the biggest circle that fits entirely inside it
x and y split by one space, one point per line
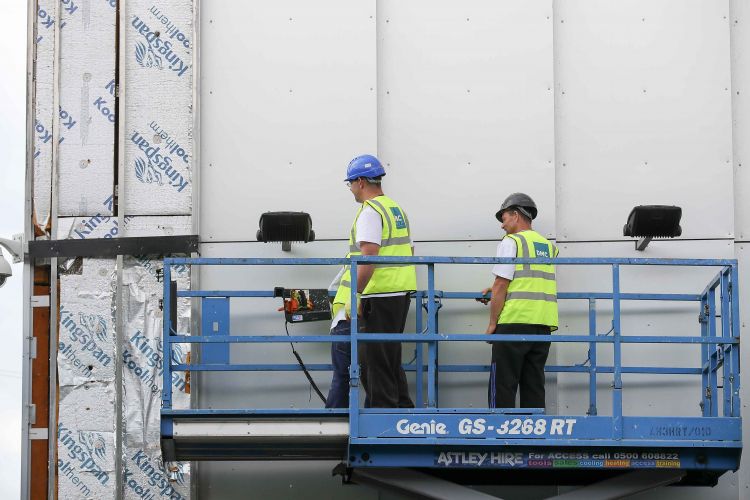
476 444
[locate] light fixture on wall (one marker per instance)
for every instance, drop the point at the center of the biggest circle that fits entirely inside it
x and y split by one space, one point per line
646 222
285 227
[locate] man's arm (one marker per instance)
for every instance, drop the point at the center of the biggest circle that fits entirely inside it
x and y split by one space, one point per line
499 291
364 271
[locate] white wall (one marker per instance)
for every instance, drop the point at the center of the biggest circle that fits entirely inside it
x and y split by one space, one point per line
590 107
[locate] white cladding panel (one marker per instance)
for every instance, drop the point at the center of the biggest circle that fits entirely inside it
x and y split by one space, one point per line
604 105
743 256
643 115
465 111
288 97
740 17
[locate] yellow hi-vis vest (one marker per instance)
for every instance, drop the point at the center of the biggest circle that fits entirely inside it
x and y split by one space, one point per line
532 294
395 241
343 292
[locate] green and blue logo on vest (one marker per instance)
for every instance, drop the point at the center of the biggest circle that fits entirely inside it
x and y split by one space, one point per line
541 250
398 217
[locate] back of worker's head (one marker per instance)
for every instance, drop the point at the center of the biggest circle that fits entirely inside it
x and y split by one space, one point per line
521 203
366 167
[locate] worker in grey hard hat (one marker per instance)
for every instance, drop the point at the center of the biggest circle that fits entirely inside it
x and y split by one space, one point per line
522 202
523 302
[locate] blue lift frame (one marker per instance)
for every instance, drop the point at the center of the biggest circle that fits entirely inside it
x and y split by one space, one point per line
481 438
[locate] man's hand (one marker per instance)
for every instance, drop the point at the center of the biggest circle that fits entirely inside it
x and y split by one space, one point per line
486 296
497 302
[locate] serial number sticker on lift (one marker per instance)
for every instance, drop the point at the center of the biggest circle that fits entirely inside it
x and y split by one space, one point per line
558 459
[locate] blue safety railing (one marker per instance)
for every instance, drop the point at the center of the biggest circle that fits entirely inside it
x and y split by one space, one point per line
375 432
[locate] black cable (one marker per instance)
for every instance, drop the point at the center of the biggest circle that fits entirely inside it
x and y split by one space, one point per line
302 365
588 358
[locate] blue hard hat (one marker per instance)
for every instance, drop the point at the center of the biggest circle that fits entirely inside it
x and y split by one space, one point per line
364 166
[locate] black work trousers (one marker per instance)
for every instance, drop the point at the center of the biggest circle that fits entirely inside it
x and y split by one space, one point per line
381 372
518 365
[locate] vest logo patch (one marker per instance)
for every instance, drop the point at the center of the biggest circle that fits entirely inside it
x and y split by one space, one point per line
541 250
398 217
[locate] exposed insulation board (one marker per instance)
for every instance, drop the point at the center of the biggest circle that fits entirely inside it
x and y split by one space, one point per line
740 39
86 328
43 117
86 375
87 336
87 106
85 446
143 359
158 80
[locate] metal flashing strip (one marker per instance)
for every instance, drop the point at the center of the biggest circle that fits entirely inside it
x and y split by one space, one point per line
54 279
112 247
41 433
121 197
40 301
25 464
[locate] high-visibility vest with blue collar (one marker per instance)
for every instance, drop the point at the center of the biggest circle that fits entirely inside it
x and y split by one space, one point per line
532 294
395 241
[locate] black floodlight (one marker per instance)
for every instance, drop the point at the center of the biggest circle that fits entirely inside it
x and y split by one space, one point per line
653 221
285 227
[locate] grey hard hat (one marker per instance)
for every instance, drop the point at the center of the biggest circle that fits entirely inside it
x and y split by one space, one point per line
522 202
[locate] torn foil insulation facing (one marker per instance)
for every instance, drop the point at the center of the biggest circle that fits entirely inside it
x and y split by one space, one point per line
143 356
147 478
143 359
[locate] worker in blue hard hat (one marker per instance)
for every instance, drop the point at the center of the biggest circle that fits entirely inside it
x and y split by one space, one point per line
380 227
524 302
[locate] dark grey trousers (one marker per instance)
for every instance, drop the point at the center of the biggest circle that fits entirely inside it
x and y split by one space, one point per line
381 373
518 365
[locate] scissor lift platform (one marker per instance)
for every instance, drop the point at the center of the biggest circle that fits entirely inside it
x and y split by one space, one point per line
481 445
465 439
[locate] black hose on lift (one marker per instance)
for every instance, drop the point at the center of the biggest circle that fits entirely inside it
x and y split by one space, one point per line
302 365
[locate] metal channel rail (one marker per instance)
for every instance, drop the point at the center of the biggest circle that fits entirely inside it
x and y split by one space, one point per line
524 440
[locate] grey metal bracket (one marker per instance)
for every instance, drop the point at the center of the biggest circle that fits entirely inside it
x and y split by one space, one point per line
112 247
624 485
642 243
